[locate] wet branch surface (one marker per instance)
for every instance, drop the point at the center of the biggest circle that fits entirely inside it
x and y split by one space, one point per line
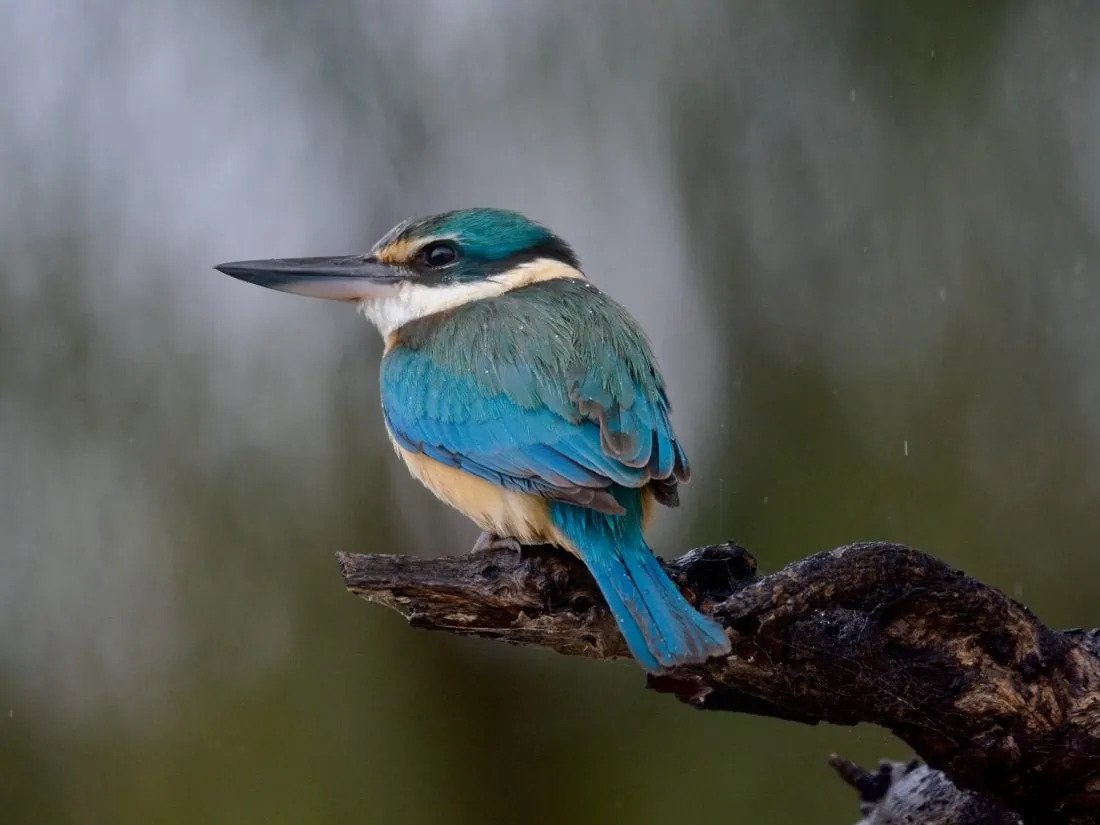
872 632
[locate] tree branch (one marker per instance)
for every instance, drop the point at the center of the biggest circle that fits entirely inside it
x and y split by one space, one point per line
869 632
903 793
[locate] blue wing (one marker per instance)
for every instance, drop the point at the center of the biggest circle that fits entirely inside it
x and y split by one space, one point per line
567 437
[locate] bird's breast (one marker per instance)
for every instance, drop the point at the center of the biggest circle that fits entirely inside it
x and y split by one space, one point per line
499 510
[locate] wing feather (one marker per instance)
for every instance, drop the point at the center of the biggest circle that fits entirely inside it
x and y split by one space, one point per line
565 421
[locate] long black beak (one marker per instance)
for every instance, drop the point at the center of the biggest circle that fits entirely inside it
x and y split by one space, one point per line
350 278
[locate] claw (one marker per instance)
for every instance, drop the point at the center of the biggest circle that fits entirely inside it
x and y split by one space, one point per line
491 541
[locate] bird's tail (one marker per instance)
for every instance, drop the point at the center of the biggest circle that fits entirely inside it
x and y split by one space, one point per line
660 627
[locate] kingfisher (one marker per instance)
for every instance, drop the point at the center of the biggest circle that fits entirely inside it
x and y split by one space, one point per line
524 397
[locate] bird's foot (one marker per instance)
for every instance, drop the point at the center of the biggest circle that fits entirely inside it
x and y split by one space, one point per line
491 541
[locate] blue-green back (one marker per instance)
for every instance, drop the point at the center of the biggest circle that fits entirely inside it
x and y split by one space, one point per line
550 388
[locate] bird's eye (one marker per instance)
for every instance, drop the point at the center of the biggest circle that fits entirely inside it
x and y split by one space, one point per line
438 255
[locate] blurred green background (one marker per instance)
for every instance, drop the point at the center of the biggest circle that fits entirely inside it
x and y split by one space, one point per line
863 237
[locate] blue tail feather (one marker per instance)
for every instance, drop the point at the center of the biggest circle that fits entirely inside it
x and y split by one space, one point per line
660 626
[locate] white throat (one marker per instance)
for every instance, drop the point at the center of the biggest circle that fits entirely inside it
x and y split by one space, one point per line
410 300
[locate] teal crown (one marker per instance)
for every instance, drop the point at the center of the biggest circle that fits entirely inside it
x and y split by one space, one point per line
486 241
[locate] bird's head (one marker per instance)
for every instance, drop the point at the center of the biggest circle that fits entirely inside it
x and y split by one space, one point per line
424 266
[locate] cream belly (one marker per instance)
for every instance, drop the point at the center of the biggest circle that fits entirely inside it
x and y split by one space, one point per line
504 512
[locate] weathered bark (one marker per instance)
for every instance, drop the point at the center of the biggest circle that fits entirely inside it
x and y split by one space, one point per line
905 793
870 632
